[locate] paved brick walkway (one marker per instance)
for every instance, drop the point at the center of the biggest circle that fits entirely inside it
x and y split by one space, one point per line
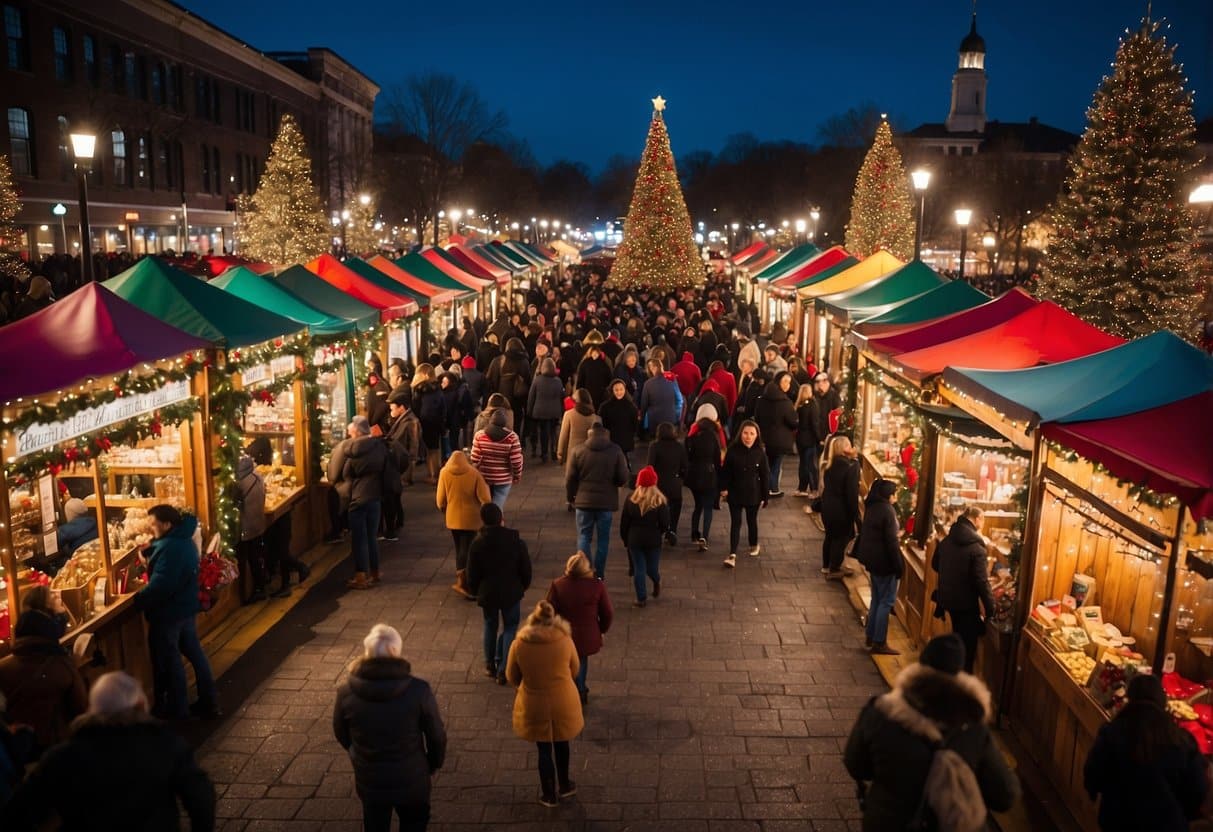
723 705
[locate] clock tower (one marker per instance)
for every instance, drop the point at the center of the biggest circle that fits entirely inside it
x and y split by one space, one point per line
968 113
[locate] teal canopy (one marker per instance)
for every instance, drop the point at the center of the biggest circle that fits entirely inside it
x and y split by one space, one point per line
511 256
788 261
544 260
1153 371
326 297
495 255
898 286
194 306
423 269
365 270
953 296
264 292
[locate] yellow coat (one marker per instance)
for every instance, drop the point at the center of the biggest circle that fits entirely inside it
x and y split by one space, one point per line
461 493
542 664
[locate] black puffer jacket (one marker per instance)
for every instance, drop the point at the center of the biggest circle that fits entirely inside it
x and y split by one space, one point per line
879 548
840 497
703 457
960 560
360 463
825 404
643 531
116 773
546 398
621 418
388 721
891 744
595 473
430 405
499 567
669 458
501 373
776 418
806 427
595 376
745 474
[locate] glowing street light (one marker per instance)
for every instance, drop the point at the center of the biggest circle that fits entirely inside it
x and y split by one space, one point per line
84 145
364 200
921 179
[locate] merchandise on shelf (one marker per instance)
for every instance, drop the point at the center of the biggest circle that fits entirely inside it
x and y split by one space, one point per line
280 485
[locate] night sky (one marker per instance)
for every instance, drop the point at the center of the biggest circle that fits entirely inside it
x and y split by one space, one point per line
575 80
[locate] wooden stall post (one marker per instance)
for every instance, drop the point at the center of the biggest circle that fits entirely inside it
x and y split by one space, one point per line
1027 568
1168 593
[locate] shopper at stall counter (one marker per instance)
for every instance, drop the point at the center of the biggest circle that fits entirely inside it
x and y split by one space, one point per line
170 604
119 770
356 469
80 528
964 583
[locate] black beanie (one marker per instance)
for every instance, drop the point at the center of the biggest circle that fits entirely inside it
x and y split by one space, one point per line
884 489
490 514
944 653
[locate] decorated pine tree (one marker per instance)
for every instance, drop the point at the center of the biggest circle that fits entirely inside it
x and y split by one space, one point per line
11 264
658 250
1121 255
881 209
284 222
360 234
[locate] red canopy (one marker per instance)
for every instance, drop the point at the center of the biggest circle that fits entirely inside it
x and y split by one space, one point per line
455 272
471 266
828 258
91 332
958 325
1044 334
1132 448
748 251
467 255
390 305
436 294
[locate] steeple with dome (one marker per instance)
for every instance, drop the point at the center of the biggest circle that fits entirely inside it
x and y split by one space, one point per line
968 113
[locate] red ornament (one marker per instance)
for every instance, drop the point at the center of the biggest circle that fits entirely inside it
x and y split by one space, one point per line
156 427
910 524
911 476
907 454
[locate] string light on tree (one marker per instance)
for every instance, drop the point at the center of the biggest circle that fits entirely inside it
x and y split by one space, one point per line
658 249
1122 253
881 209
11 264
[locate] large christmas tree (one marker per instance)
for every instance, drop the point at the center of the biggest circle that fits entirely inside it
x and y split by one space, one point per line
881 210
11 264
658 250
1122 251
284 222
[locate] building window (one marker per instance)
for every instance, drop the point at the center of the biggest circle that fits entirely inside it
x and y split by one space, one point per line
90 60
117 69
172 86
167 163
143 172
63 54
21 144
130 71
206 169
158 84
118 152
16 37
140 78
65 148
216 173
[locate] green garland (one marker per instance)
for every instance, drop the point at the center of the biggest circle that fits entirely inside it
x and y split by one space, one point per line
1139 492
68 405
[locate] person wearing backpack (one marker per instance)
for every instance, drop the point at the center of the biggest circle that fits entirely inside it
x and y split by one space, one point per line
923 754
510 375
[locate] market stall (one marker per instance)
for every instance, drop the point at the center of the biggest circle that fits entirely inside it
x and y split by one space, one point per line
780 306
107 416
487 289
830 281
948 299
464 303
405 336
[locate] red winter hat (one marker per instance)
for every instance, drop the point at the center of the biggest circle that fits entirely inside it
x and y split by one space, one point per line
646 477
469 362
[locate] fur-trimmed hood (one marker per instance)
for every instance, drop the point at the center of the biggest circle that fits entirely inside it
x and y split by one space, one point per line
929 703
545 633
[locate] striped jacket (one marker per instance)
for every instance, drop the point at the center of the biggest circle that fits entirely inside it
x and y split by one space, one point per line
499 461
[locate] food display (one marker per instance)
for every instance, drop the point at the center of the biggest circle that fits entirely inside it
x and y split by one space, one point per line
890 428
280 486
25 518
991 478
1078 664
277 416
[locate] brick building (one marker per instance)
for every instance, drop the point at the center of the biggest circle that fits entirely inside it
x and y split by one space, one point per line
184 115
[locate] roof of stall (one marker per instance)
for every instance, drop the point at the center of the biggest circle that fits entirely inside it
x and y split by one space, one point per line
492 254
373 275
760 260
420 267
193 305
866 271
832 256
499 248
453 269
89 333
327 298
739 257
979 318
541 256
1149 372
566 250
1044 334
263 291
911 280
1132 448
390 304
465 255
470 266
789 261
808 275
436 295
597 251
950 298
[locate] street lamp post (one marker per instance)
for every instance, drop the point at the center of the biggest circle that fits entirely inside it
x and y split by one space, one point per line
814 215
59 209
989 241
963 216
922 179
83 147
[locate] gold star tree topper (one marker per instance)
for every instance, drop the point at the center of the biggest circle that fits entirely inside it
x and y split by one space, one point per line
659 103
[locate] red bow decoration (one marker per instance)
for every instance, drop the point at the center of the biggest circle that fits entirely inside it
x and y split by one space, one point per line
907 454
911 476
910 524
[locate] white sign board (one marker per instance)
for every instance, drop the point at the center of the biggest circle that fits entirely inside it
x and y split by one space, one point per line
397 344
255 375
39 437
283 365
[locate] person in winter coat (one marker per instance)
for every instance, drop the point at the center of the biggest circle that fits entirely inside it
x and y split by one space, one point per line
496 402
620 417
892 746
630 370
377 390
808 442
709 394
594 373
499 574
581 599
80 528
459 410
575 427
777 421
169 602
39 681
595 473
879 550
250 551
356 466
461 492
387 720
773 363
726 384
839 505
510 375
964 583
668 456
497 455
404 441
547 709
119 770
828 401
545 406
643 523
430 405
687 374
1146 771
660 398
487 352
705 451
474 379
744 479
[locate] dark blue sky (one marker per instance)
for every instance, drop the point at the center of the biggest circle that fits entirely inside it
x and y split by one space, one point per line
575 79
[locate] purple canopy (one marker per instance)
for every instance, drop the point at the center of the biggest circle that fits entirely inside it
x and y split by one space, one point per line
91 332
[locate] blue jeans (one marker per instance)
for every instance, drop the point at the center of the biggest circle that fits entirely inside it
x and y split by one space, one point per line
776 463
499 493
167 642
579 681
364 527
497 645
884 593
589 519
809 474
645 561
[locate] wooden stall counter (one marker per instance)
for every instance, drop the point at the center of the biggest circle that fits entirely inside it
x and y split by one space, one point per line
117 640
